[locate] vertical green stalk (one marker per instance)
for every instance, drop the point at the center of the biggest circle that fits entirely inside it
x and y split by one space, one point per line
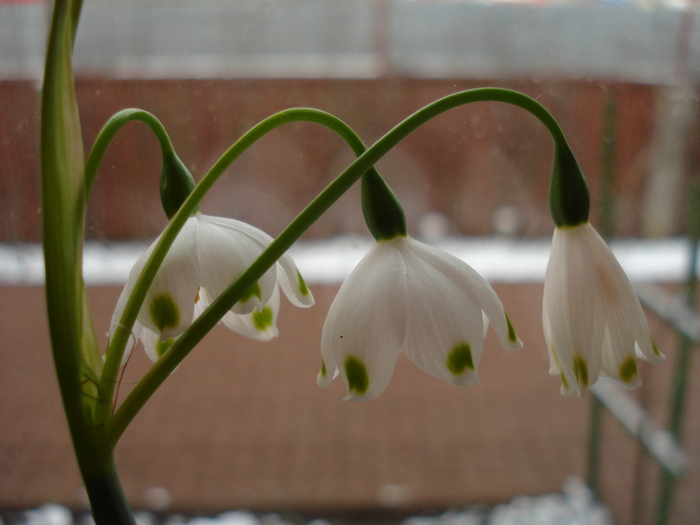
606 222
607 229
76 356
682 369
594 439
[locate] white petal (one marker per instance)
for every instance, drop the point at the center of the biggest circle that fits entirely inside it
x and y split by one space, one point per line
573 308
148 338
623 299
445 328
226 250
618 351
288 275
293 283
152 344
474 286
261 324
554 367
169 305
201 302
365 327
239 227
324 377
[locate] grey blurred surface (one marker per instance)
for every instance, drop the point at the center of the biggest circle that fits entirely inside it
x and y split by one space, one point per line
363 39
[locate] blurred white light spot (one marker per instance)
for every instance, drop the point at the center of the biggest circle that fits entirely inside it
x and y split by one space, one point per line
157 498
433 225
506 220
393 496
238 517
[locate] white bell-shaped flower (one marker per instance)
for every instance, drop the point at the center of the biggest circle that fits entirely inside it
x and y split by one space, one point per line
406 296
593 322
208 254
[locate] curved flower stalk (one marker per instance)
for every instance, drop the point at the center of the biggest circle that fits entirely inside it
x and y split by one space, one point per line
593 322
406 296
207 255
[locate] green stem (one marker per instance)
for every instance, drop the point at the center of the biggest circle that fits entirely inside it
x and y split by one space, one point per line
76 9
103 408
204 323
107 384
61 171
606 220
109 131
133 305
594 438
107 499
681 377
74 346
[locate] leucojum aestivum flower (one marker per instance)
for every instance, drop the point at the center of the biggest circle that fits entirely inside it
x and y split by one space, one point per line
207 255
592 319
404 296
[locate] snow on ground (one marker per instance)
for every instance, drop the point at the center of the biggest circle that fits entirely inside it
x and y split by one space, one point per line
330 261
574 506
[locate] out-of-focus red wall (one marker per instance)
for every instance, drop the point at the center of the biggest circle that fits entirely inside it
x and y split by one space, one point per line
464 164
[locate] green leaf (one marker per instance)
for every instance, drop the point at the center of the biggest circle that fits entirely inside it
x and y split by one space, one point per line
62 197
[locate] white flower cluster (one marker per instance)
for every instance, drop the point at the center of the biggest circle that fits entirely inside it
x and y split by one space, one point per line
404 296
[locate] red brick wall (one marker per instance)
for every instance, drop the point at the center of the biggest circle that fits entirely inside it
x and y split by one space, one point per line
464 164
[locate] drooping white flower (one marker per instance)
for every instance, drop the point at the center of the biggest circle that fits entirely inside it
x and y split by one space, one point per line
593 322
208 254
406 296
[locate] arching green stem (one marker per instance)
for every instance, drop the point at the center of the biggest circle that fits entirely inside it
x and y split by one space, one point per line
104 138
109 131
204 323
122 333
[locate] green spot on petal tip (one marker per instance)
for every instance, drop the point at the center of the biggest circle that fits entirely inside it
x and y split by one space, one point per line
628 370
655 349
556 359
356 373
164 312
253 291
262 320
324 372
163 346
303 288
511 331
564 382
581 371
460 359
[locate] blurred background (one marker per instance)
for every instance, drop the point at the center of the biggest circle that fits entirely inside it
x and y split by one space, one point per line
620 77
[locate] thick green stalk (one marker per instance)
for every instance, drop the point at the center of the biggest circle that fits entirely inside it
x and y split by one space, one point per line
203 324
76 356
107 498
61 176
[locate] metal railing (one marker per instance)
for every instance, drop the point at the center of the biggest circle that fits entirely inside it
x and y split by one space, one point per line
662 444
